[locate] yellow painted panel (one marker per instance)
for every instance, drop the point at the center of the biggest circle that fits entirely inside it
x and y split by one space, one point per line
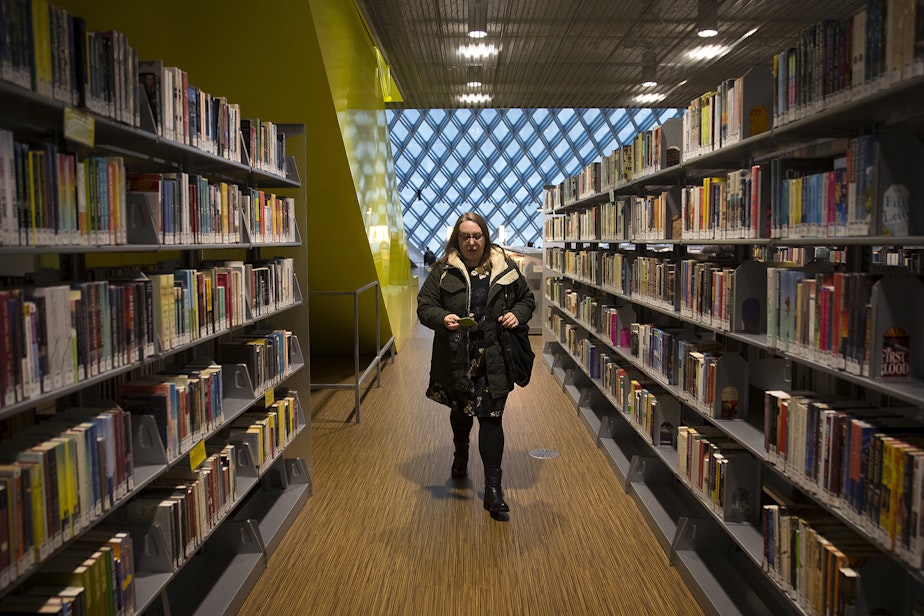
354 74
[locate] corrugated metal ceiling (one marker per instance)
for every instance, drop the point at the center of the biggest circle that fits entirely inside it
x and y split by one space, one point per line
579 53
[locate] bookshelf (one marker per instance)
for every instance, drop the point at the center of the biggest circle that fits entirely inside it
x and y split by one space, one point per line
147 392
656 301
529 260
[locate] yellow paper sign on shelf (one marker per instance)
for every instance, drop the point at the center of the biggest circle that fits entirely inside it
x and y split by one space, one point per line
196 455
268 398
79 127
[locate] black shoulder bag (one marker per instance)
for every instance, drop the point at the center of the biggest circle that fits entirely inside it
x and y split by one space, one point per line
518 354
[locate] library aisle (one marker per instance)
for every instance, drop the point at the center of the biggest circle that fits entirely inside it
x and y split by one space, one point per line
388 532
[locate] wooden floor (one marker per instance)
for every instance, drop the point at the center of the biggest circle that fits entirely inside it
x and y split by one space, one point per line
388 532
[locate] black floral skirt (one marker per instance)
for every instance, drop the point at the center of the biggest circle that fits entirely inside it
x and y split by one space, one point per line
477 402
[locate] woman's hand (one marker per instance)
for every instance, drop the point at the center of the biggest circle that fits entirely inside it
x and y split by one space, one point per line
451 322
508 320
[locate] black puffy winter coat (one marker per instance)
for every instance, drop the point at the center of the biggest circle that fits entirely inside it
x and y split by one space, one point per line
446 291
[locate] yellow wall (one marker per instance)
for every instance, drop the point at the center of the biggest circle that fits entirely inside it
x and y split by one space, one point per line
268 58
353 77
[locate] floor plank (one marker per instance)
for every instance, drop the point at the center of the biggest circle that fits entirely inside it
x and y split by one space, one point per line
387 531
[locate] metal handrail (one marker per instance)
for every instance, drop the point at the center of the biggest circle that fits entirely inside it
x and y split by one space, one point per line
379 347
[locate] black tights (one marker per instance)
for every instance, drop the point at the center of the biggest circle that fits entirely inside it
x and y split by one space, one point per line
490 436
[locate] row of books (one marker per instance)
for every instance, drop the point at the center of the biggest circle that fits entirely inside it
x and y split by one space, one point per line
705 375
861 323
648 406
719 471
739 108
650 151
45 49
726 207
816 559
572 226
863 460
799 256
180 208
266 432
93 577
183 505
839 59
864 324
606 317
56 336
192 304
581 264
186 114
57 477
50 198
267 355
186 403
61 475
869 190
649 218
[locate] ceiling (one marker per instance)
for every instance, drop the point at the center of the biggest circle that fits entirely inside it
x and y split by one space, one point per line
579 53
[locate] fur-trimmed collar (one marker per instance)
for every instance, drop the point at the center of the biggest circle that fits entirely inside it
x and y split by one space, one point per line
501 271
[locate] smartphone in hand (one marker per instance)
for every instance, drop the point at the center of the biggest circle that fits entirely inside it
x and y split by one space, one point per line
467 321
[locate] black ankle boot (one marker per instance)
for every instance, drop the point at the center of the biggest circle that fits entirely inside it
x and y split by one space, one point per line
460 461
493 495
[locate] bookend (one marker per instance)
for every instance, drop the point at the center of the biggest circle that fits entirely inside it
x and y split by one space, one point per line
235 380
246 463
142 103
285 487
573 382
664 421
876 587
591 401
147 445
151 552
648 470
749 309
235 537
233 558
731 387
896 335
698 535
141 228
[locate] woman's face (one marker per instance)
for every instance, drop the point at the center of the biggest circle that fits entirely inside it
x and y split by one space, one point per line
471 242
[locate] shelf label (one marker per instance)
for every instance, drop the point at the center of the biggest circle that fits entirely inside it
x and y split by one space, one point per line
196 455
268 398
79 127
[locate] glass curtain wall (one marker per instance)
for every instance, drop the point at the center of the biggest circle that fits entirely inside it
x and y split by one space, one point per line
496 162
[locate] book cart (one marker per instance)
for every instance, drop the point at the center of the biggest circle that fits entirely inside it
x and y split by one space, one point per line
158 380
739 328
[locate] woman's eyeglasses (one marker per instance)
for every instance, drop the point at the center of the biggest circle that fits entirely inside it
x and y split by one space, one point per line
470 236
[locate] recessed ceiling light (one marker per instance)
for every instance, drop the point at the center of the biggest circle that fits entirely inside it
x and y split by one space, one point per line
707 52
473 77
474 99
707 20
477 50
478 18
650 98
649 68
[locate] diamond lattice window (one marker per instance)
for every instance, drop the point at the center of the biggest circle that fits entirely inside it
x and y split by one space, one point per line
496 161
